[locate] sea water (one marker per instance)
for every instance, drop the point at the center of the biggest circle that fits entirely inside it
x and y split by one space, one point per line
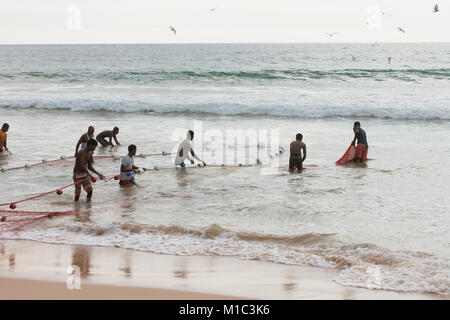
384 225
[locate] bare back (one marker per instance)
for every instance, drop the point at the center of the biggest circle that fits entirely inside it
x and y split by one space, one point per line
297 147
106 134
82 161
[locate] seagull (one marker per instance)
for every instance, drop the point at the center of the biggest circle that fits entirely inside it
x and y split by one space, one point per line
331 34
389 59
385 13
354 58
436 8
212 9
173 30
400 29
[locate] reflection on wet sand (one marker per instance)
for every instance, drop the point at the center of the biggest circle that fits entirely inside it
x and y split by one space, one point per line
289 284
12 260
212 265
58 258
289 287
81 257
126 269
180 269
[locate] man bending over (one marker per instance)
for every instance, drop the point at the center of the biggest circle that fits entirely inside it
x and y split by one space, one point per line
185 151
362 148
102 136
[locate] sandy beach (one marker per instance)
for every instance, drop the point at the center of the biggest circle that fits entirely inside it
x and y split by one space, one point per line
33 270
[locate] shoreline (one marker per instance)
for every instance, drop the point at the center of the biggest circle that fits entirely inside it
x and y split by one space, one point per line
35 270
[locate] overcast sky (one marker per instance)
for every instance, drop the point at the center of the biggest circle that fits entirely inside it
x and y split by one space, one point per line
148 21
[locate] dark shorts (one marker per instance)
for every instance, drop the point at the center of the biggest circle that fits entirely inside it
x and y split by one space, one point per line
295 162
126 182
182 165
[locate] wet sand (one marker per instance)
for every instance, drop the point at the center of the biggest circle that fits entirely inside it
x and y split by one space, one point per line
33 270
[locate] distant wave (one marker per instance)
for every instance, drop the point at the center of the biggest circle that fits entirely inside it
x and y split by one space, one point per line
236 109
406 75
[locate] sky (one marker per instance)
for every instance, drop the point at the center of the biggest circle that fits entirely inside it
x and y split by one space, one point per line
231 21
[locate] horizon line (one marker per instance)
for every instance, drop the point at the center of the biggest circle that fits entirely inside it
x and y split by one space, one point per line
212 43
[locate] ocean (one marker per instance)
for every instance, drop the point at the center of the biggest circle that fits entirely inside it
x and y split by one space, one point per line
384 226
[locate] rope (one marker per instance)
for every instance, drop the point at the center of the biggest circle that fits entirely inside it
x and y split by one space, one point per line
58 191
44 194
37 164
26 213
201 166
23 223
64 158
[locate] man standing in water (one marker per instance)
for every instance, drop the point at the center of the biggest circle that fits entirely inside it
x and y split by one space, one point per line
296 159
185 151
362 147
127 167
4 137
101 137
81 176
84 139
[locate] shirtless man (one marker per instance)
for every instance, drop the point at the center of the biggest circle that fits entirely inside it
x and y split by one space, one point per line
296 159
101 137
362 148
4 137
81 175
185 151
84 139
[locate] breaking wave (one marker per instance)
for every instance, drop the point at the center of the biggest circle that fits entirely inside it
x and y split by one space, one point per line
360 265
235 108
155 76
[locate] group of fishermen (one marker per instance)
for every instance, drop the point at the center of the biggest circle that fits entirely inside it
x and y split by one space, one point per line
86 146
298 148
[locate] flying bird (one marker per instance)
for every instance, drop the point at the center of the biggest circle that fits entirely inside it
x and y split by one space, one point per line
436 8
400 29
354 58
173 30
385 13
331 34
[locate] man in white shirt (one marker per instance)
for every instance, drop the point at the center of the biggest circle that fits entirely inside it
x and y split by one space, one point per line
127 167
185 151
